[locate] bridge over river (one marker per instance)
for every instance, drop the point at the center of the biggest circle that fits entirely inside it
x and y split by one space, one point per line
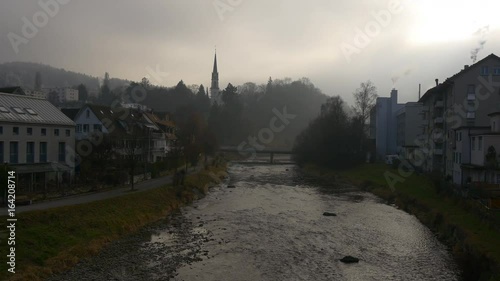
275 155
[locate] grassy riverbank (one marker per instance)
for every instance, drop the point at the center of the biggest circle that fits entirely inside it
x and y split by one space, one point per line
53 240
474 241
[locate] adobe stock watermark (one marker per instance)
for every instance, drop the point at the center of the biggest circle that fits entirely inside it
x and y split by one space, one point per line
225 6
363 37
266 136
454 118
40 19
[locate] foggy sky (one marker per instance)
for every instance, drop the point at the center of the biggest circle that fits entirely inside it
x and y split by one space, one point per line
256 39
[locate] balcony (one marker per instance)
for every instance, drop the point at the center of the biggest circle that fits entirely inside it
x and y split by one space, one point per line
438 137
438 120
157 136
439 104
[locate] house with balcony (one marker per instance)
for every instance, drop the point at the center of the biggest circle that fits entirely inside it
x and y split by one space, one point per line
456 109
482 165
165 138
37 141
126 128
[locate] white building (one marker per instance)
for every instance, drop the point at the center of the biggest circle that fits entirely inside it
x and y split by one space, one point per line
36 139
63 94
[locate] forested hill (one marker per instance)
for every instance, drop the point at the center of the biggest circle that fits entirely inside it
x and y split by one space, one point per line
23 74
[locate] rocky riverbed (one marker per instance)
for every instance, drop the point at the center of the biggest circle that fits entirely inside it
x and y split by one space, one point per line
270 226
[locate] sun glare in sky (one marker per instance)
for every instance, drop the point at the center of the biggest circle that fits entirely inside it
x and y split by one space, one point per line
448 21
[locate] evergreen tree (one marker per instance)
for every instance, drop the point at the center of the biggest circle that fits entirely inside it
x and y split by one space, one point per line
38 81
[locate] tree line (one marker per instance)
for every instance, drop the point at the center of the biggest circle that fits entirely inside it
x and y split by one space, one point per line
337 138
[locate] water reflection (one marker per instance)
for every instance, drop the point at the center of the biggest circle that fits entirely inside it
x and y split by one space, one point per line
271 227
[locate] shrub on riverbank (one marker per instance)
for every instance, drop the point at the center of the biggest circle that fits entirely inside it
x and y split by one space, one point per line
473 238
53 240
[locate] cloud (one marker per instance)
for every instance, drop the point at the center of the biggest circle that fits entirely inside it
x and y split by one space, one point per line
256 39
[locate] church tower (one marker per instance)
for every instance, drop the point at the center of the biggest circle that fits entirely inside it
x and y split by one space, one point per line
214 89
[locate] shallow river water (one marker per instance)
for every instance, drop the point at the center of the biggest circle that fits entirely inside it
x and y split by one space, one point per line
270 226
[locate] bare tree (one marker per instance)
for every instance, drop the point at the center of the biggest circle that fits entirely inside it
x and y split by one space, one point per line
364 100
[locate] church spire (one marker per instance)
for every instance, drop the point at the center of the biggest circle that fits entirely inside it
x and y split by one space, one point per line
214 88
215 62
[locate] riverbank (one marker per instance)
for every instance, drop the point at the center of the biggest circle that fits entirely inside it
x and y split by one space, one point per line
473 240
52 241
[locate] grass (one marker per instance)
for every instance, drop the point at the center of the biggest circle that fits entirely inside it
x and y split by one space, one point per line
419 191
51 241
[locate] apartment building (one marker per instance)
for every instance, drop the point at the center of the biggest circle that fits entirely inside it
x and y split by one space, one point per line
36 139
409 128
454 110
386 109
63 94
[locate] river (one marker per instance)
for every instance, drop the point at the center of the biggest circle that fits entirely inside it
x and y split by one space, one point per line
270 226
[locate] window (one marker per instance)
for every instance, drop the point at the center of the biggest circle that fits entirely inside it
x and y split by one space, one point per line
473 143
68 133
471 114
1 130
62 152
18 110
43 152
56 132
3 109
496 70
459 158
31 111
460 136
15 131
85 128
485 70
14 152
79 128
43 132
1 151
98 127
480 143
30 152
471 92
29 131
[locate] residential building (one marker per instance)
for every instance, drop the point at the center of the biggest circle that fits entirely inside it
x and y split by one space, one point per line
386 124
36 140
456 108
63 94
164 139
409 128
137 106
24 92
127 128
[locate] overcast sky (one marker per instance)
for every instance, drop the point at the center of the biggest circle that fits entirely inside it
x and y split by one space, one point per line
410 43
